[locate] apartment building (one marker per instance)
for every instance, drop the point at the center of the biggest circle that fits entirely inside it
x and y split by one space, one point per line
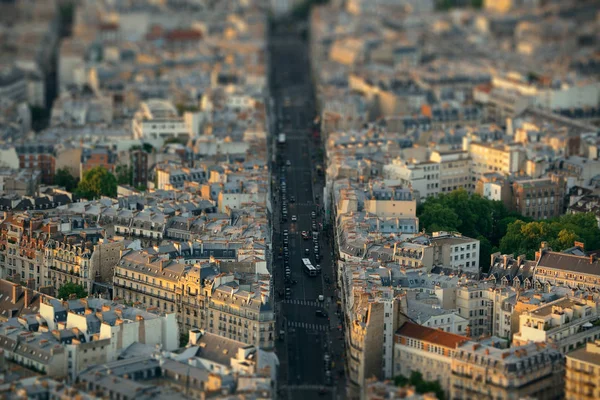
22 247
503 159
174 176
539 198
40 157
422 177
454 170
485 372
82 257
566 322
370 336
447 249
582 380
158 120
97 157
473 304
494 186
425 350
139 167
390 201
203 297
562 269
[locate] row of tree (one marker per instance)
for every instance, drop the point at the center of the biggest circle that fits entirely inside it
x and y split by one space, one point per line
499 229
95 182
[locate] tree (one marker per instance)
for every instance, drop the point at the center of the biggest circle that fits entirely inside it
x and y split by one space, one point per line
420 385
97 182
560 233
64 178
124 174
69 288
436 217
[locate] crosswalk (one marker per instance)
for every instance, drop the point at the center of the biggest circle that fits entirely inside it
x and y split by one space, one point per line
306 387
309 303
306 325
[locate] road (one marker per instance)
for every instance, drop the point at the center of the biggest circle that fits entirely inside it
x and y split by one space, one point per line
309 345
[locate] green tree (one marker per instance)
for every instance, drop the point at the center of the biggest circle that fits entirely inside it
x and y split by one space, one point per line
97 182
420 385
69 288
124 175
560 233
436 217
64 178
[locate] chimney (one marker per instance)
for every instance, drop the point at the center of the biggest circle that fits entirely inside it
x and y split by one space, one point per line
581 245
521 259
592 258
538 255
28 297
505 260
16 292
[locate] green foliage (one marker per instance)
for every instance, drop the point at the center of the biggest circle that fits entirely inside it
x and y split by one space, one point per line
69 288
97 182
124 174
64 178
560 233
184 338
471 215
420 385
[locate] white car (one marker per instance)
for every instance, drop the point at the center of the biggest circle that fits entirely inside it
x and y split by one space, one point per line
288 163
321 297
294 218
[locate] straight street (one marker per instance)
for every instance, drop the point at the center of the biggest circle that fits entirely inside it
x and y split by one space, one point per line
307 323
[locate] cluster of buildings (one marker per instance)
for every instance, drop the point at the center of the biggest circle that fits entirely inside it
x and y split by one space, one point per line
403 97
414 104
176 269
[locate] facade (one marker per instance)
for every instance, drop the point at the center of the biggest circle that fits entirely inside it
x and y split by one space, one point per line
40 157
484 372
202 297
561 269
539 198
139 168
425 350
450 250
455 170
474 304
422 177
82 257
504 159
582 381
370 339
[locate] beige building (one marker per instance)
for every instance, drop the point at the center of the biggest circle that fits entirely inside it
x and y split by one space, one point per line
484 372
83 257
454 170
475 303
202 297
369 337
503 159
582 380
425 350
390 202
450 250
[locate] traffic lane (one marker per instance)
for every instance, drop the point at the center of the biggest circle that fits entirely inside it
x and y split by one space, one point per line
310 365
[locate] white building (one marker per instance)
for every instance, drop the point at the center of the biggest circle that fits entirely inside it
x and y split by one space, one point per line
158 120
423 177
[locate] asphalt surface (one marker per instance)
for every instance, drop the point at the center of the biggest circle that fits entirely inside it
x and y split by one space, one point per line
309 345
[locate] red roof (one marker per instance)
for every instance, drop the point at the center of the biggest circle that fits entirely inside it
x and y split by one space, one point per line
430 335
183 34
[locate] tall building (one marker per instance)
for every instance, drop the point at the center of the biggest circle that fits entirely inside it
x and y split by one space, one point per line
582 380
370 336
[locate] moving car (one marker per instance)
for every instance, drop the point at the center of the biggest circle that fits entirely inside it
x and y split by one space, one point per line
294 218
321 313
305 235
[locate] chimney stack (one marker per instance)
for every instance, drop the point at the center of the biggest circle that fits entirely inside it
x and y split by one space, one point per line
16 292
28 297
